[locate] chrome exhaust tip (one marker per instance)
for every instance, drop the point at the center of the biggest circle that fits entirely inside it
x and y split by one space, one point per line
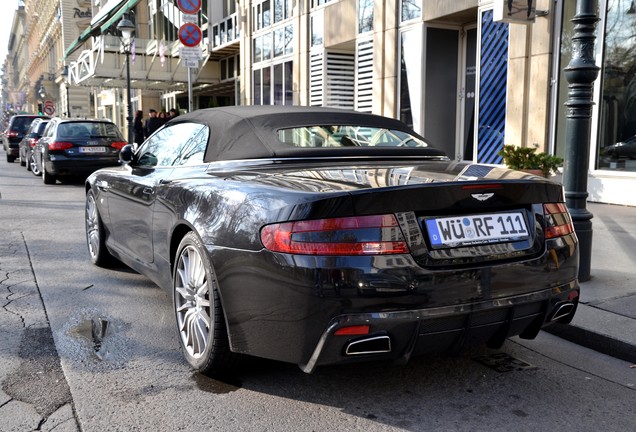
562 310
370 345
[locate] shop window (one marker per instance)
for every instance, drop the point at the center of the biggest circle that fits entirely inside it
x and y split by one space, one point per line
273 84
316 3
411 9
617 124
365 16
317 29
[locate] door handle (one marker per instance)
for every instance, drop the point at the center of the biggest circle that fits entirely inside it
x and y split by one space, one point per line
102 186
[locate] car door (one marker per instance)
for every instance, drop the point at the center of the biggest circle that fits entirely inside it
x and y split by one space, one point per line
133 191
43 143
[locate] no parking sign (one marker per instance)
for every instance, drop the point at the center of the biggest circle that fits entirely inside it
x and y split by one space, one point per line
189 6
190 34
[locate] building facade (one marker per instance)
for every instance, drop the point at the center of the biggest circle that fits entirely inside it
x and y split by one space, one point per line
469 75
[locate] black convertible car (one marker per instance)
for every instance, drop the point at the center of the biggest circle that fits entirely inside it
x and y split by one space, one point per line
319 236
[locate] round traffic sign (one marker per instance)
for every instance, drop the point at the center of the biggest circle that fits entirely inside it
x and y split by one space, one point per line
190 34
189 6
49 107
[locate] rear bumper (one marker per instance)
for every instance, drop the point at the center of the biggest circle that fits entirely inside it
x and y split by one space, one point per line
62 167
401 334
287 307
13 148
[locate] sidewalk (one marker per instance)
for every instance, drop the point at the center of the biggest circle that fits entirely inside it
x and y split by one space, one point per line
606 316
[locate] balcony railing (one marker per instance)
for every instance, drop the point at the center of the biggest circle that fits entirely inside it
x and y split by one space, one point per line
225 32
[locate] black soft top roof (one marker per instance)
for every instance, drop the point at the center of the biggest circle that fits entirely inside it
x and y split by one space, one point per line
251 132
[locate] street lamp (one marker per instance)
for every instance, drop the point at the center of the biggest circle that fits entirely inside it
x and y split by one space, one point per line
580 73
68 97
127 29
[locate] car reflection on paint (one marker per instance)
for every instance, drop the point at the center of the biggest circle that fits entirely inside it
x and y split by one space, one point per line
320 236
623 149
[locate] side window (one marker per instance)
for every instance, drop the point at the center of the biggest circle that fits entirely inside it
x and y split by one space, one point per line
49 129
174 145
194 149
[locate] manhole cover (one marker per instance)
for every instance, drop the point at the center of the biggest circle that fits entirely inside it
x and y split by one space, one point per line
502 362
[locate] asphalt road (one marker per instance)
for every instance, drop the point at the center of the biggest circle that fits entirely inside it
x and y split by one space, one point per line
134 378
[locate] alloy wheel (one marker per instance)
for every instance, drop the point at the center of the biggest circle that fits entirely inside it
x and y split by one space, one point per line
33 163
192 302
92 227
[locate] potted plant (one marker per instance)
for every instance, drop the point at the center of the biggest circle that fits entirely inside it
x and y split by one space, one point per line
527 159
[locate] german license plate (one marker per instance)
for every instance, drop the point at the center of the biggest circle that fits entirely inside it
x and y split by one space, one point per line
100 149
476 229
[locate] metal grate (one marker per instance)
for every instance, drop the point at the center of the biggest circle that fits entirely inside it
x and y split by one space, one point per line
364 75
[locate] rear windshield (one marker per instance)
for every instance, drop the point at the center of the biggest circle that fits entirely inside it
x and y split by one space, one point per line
21 124
88 130
347 136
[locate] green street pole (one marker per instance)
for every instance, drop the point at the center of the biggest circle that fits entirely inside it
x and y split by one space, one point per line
580 73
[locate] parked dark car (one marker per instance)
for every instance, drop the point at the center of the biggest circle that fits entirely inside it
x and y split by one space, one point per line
621 149
18 126
29 141
76 147
320 236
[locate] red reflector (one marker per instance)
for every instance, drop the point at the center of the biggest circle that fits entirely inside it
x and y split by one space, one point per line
60 145
558 231
558 220
352 330
482 186
119 144
361 235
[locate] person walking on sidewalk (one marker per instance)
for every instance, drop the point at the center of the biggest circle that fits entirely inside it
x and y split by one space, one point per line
153 123
138 127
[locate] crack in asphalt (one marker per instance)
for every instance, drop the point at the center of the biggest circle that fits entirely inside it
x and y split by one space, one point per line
38 379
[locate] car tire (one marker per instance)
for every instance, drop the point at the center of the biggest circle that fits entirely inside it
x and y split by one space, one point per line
33 164
10 158
200 320
47 178
23 161
95 233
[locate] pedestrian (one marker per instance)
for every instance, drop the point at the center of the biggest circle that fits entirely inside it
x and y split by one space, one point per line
153 123
138 127
162 118
173 113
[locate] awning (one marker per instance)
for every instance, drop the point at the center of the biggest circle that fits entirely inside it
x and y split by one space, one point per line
108 15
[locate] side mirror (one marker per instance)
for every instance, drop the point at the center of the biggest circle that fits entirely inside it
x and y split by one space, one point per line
127 154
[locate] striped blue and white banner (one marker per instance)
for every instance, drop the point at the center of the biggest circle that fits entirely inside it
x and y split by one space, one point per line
492 88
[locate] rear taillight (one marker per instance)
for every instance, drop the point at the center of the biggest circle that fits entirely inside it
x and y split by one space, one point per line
12 134
118 144
32 142
361 235
558 222
60 145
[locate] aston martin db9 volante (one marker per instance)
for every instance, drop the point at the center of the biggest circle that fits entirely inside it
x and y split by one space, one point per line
320 236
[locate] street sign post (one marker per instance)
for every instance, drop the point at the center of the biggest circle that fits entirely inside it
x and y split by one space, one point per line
191 52
190 63
190 36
